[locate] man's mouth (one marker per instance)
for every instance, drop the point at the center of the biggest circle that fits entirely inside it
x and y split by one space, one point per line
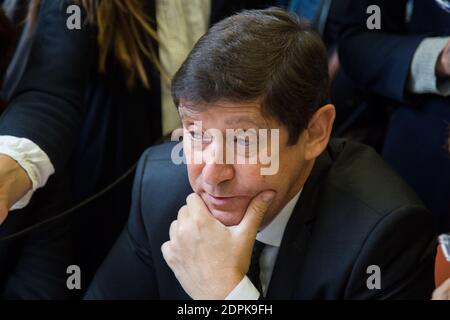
219 200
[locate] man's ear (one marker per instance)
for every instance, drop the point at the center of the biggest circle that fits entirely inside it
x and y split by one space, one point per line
319 131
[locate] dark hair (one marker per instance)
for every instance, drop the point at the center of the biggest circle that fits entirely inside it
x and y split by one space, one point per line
267 56
124 32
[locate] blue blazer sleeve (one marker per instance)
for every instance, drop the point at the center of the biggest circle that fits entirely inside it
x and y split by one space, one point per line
46 106
379 60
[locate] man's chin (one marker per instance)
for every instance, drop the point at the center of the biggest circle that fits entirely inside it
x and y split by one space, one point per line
228 218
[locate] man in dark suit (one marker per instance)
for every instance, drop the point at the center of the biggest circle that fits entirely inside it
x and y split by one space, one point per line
407 62
325 220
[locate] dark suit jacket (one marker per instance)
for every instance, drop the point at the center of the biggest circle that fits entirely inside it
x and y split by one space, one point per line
379 61
353 212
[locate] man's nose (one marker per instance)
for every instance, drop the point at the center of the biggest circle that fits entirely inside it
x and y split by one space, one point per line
216 169
215 173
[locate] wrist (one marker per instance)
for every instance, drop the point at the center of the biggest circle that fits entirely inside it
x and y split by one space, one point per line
15 181
228 284
442 66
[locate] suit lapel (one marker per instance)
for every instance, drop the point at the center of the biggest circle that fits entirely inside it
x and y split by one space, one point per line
288 266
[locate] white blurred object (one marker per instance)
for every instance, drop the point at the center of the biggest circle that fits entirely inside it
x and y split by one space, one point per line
444 4
444 241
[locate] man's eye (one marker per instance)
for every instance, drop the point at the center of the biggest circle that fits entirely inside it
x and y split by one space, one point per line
200 136
195 135
243 142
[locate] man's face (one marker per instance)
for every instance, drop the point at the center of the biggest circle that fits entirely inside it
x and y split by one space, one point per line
227 188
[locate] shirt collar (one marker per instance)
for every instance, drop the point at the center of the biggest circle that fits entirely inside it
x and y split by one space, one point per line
272 234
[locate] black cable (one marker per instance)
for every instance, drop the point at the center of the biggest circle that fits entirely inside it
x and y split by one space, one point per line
74 208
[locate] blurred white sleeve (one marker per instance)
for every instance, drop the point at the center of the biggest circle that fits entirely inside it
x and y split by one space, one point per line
32 159
423 68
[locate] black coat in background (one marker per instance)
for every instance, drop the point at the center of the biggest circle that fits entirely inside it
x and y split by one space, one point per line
33 266
379 61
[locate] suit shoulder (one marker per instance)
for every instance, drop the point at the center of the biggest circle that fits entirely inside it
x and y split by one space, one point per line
359 173
164 184
162 165
161 152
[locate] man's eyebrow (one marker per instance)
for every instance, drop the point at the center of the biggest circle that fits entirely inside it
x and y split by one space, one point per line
244 119
186 114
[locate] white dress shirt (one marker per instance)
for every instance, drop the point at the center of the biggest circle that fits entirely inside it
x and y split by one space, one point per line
32 159
271 236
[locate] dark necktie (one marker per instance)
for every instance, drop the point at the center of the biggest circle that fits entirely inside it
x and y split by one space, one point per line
254 270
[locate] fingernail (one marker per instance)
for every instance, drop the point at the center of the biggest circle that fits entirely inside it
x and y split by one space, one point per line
268 196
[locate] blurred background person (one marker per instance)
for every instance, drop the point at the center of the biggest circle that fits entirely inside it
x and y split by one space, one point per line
407 62
32 266
359 115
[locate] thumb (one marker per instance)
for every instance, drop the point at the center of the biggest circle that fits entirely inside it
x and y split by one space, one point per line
255 212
